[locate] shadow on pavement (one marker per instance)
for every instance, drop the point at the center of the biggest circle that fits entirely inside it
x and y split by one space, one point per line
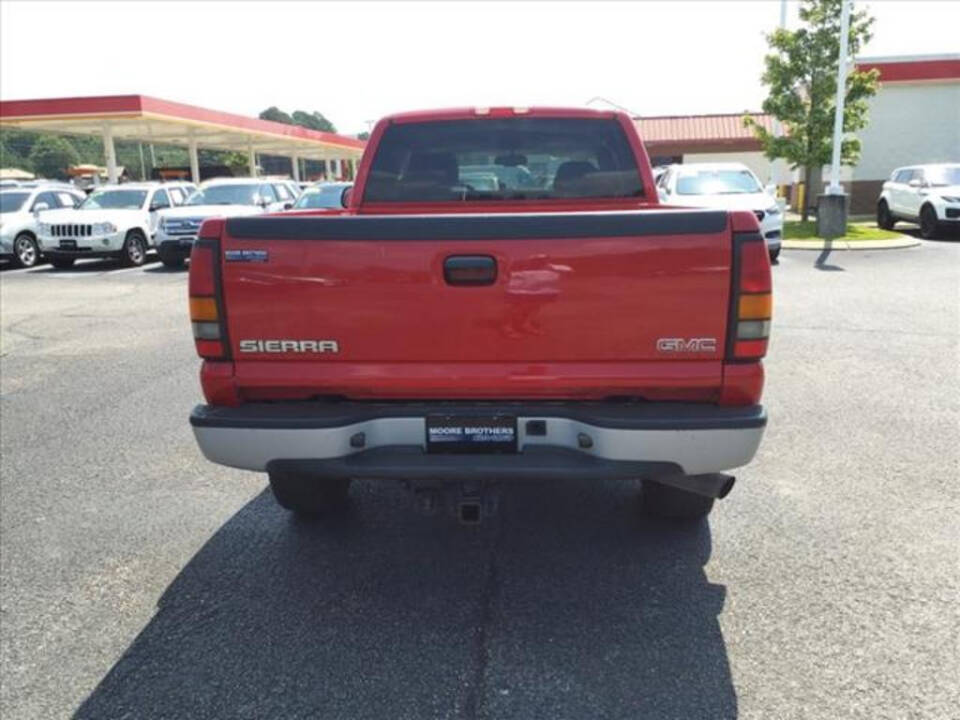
821 261
949 235
564 606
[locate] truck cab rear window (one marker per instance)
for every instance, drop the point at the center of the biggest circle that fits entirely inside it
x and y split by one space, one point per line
530 158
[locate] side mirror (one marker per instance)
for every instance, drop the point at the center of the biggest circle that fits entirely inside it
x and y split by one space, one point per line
345 197
262 201
40 207
287 205
915 183
158 206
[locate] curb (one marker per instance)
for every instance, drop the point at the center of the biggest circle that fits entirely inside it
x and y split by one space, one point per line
904 241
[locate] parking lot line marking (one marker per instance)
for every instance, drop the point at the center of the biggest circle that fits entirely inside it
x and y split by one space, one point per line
120 271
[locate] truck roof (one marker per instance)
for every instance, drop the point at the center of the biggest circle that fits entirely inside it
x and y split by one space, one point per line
501 111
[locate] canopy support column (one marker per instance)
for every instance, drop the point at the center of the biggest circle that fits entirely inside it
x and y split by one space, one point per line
194 162
111 154
253 162
295 162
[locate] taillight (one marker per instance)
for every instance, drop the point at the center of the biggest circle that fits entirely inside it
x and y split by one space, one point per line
206 294
751 301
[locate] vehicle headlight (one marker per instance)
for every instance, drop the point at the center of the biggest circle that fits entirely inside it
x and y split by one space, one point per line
775 210
104 228
951 199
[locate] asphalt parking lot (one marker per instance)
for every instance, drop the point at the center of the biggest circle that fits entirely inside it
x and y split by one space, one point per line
140 581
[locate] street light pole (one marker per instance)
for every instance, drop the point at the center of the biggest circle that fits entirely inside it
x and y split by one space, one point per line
835 187
779 166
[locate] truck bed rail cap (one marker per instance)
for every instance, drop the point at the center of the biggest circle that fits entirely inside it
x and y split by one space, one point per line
481 226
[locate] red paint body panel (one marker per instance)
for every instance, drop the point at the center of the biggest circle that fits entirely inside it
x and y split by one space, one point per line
566 318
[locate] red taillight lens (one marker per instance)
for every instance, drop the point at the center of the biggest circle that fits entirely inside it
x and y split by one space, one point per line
751 302
206 294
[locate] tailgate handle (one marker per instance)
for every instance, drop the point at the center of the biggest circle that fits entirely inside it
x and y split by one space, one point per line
470 270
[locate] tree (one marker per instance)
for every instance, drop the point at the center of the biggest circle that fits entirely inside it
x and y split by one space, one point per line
801 74
363 136
52 155
314 121
276 115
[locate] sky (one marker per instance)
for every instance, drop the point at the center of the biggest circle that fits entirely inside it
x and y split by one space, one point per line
355 62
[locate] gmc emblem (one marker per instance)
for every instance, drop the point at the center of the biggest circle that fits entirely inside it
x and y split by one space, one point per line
686 345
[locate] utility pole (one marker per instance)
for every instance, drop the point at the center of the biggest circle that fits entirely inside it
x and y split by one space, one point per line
832 205
780 165
835 187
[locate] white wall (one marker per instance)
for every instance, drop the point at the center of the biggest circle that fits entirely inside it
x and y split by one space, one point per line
910 123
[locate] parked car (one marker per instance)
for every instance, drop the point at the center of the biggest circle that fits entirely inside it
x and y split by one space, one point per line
323 195
225 197
449 339
730 186
21 210
924 194
114 221
292 187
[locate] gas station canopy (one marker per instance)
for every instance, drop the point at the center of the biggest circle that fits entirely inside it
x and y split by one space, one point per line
151 120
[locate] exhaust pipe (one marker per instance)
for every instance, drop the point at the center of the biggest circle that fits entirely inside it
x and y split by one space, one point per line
712 485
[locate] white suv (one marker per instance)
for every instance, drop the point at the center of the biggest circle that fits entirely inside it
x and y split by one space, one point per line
222 197
21 210
115 221
925 194
728 186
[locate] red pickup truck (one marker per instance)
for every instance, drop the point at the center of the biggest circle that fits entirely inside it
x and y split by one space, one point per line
501 298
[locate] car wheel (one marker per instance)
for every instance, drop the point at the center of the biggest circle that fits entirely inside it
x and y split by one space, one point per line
170 261
674 504
885 219
25 251
62 263
134 251
928 222
308 495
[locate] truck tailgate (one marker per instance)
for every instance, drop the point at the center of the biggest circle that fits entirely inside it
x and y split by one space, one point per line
604 303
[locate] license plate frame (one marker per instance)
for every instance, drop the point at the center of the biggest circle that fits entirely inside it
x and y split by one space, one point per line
474 433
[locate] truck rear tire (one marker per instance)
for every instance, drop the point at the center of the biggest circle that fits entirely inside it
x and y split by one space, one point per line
307 495
674 504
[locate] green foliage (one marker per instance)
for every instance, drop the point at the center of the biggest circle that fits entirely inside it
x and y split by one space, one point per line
51 155
363 136
276 115
314 121
801 74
